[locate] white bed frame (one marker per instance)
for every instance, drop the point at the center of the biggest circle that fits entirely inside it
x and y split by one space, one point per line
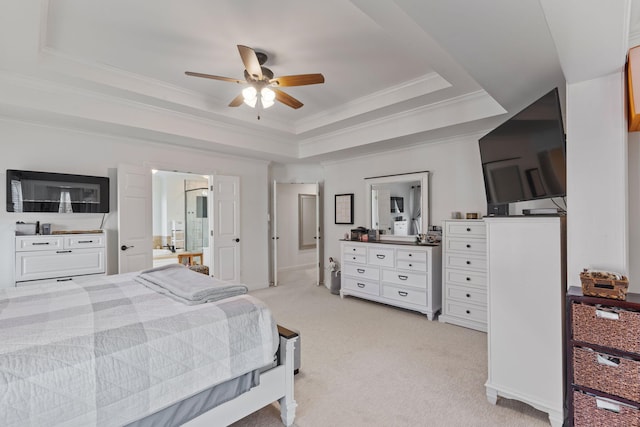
275 384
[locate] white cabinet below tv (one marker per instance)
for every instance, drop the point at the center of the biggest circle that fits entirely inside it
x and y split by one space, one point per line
402 275
57 258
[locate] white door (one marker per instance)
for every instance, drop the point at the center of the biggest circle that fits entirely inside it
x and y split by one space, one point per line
274 236
226 228
318 234
135 227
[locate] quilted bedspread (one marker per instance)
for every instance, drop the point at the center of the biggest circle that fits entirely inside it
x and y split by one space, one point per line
107 351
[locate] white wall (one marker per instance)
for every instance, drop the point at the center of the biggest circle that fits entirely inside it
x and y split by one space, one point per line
597 176
41 148
456 182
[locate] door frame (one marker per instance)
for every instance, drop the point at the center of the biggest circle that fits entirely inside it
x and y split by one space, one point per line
275 235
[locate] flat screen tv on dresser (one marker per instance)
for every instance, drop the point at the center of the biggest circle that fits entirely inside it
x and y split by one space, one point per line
31 191
524 158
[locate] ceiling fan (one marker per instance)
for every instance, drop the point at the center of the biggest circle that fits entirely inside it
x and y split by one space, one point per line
262 87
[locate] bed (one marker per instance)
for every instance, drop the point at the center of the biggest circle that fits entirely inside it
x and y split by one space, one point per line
110 351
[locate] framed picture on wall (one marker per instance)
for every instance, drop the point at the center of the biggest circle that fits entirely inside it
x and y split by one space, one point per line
344 208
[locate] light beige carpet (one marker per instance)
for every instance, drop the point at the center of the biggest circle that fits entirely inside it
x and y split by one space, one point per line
367 364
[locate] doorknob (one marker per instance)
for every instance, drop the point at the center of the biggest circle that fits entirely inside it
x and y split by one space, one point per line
236 240
125 247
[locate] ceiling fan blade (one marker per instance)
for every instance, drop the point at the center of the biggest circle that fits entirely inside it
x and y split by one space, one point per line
237 101
211 76
298 80
287 99
250 61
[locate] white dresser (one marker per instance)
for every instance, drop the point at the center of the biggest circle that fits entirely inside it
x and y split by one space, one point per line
526 300
403 275
464 264
57 258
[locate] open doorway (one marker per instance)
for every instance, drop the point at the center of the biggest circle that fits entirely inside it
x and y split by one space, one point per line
180 218
296 245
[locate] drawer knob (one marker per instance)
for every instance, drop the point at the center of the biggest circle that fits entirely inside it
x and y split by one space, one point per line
410 254
468 295
468 246
360 270
468 229
379 256
401 277
354 249
361 285
468 262
468 279
354 257
410 265
468 312
402 293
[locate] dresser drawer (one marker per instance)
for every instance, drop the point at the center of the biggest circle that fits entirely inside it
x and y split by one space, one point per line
359 285
466 311
467 262
463 277
412 296
603 372
458 229
589 410
411 265
361 271
466 294
42 243
597 325
43 265
354 250
380 256
357 258
405 278
409 255
79 241
472 246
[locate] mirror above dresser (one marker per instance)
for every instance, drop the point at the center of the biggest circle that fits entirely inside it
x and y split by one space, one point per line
398 205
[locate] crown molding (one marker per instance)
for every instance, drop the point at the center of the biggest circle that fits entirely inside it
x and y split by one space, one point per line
472 106
423 85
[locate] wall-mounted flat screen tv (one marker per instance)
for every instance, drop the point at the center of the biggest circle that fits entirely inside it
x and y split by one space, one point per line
31 191
524 158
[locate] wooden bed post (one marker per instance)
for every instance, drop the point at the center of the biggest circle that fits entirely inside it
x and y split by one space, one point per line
288 404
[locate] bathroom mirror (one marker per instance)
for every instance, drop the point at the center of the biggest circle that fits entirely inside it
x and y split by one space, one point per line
398 205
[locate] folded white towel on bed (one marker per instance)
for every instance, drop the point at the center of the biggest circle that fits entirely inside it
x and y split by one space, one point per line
187 286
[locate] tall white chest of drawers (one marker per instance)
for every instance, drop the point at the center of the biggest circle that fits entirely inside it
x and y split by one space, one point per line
43 259
402 275
464 284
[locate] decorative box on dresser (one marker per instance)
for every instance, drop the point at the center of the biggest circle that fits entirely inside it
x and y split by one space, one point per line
464 278
41 259
402 275
526 287
603 360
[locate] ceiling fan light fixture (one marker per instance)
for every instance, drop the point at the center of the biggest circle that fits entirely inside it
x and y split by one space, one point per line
268 97
250 95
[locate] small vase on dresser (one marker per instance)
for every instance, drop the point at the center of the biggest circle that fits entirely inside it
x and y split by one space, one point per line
464 279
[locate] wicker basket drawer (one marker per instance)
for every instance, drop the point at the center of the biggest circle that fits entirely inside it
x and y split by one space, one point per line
613 375
615 330
596 412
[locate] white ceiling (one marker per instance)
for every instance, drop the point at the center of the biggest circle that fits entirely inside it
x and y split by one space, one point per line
397 72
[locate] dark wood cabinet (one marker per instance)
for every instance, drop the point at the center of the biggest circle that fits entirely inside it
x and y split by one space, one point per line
602 360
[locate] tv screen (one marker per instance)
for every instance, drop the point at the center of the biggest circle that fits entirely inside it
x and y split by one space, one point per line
524 158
